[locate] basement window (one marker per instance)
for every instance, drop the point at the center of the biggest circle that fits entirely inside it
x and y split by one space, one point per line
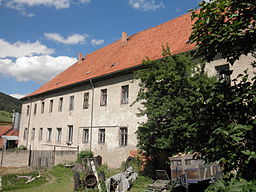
103 97
101 136
123 136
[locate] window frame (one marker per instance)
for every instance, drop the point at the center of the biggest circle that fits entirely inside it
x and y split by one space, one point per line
51 106
123 136
35 108
70 133
102 136
49 135
60 106
33 132
28 108
59 134
25 134
42 107
85 136
86 100
103 97
71 102
124 94
40 135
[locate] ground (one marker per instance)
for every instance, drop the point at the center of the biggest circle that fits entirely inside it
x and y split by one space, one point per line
60 178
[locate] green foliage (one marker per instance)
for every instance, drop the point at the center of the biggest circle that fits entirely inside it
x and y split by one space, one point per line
169 92
84 154
8 103
232 185
225 27
5 116
227 126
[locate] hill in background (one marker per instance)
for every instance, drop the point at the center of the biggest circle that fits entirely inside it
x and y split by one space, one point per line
8 103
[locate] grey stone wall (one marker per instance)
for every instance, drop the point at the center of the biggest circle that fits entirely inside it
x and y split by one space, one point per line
14 158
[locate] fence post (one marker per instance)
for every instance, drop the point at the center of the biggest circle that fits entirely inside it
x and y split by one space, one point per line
2 157
29 156
54 151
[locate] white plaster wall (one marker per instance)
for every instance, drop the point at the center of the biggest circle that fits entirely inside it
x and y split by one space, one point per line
111 117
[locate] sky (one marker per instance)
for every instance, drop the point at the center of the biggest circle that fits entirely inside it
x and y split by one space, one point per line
41 38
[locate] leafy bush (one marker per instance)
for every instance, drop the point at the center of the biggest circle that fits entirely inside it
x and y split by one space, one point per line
232 185
84 154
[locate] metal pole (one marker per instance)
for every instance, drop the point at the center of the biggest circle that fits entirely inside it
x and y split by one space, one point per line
91 115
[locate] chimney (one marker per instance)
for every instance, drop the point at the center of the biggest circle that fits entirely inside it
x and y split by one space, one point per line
124 37
80 58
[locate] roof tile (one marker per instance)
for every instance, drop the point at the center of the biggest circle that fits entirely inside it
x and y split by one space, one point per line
147 43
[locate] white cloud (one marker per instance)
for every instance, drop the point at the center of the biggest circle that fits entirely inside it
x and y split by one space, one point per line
146 5
39 69
19 49
21 5
96 42
15 95
72 39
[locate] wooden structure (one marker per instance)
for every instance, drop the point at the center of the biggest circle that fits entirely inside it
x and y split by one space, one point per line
187 170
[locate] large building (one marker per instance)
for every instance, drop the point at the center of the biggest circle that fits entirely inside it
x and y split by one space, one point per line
89 104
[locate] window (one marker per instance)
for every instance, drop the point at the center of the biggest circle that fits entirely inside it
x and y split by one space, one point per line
33 134
86 101
123 136
25 135
27 110
60 104
35 108
103 97
71 102
124 94
223 72
70 133
49 134
101 136
85 137
42 107
51 106
58 138
40 136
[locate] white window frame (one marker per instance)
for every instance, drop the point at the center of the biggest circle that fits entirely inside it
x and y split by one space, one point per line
102 136
123 136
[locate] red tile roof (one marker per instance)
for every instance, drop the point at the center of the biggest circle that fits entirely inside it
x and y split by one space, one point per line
147 43
8 131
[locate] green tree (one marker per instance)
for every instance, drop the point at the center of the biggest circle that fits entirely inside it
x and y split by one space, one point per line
227 114
169 92
225 27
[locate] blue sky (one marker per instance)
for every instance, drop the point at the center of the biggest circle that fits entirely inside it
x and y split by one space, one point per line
40 38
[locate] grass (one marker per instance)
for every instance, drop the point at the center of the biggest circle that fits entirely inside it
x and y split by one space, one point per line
5 116
10 181
60 178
